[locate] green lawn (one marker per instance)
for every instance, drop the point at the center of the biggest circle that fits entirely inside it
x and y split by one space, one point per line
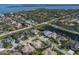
77 52
7 45
38 52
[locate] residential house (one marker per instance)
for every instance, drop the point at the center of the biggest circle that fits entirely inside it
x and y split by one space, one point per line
17 25
73 45
27 49
30 22
50 34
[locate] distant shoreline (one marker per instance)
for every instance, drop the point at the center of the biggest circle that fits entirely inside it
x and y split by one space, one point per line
7 8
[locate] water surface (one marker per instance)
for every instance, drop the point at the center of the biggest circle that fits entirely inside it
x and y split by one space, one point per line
20 7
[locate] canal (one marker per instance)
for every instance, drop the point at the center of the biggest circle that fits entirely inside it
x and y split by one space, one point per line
64 33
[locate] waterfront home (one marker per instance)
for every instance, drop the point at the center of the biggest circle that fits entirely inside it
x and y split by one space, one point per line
50 34
73 45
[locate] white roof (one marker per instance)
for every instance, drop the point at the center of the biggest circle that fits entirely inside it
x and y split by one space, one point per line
2 49
49 34
70 52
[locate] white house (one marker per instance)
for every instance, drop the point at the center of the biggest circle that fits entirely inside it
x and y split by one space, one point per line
50 34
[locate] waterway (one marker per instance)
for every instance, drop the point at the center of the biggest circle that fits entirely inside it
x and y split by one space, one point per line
64 33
